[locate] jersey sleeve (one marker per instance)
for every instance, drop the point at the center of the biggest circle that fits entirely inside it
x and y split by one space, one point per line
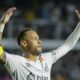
10 63
71 41
50 57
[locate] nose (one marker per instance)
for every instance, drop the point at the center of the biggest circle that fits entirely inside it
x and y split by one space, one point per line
39 41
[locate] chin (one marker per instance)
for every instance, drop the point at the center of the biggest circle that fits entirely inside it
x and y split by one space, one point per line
39 51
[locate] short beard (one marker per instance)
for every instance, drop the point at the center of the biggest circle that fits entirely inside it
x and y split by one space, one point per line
37 53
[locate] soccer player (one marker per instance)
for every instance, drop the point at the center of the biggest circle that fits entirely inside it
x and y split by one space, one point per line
33 65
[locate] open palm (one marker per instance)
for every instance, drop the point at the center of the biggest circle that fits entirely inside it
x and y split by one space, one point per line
8 14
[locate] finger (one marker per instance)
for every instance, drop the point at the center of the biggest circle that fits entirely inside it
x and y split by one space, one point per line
10 10
14 8
77 12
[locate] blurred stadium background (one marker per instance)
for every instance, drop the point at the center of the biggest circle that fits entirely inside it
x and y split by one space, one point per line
54 20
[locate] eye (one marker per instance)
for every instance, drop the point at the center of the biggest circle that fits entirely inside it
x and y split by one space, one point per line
36 38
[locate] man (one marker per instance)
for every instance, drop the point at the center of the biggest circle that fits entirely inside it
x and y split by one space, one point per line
33 65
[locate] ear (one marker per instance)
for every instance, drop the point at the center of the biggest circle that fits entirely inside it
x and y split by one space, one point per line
23 43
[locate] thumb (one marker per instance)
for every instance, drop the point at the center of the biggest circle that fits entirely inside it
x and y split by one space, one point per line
78 14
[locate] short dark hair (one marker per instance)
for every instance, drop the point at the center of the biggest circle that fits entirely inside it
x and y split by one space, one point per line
22 34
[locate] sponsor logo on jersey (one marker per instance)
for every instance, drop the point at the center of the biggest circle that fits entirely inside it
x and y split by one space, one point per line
32 77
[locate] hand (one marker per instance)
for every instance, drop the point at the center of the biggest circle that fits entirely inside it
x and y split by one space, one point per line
7 15
78 14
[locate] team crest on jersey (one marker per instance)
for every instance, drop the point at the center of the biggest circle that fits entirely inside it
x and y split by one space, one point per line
28 65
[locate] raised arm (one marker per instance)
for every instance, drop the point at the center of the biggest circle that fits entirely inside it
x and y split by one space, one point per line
5 18
70 42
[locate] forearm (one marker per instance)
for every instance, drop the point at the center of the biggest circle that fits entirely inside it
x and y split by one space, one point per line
1 30
74 37
69 43
1 48
5 18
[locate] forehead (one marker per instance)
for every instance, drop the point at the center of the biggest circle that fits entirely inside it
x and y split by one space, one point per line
31 33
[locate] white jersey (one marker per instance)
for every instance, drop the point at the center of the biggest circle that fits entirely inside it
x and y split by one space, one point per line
24 69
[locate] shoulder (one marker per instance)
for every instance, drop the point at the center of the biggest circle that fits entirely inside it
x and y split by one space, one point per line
50 56
50 53
13 56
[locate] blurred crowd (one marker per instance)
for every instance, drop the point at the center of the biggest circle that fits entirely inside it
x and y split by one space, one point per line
68 67
4 74
53 19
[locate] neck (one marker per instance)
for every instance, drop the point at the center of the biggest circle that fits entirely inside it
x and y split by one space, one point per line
30 57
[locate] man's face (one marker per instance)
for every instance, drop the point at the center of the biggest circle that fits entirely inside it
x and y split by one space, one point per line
33 42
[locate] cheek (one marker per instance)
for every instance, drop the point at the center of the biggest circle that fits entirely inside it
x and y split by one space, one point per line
33 44
34 47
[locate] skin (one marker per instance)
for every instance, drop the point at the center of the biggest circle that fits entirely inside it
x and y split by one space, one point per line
31 45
